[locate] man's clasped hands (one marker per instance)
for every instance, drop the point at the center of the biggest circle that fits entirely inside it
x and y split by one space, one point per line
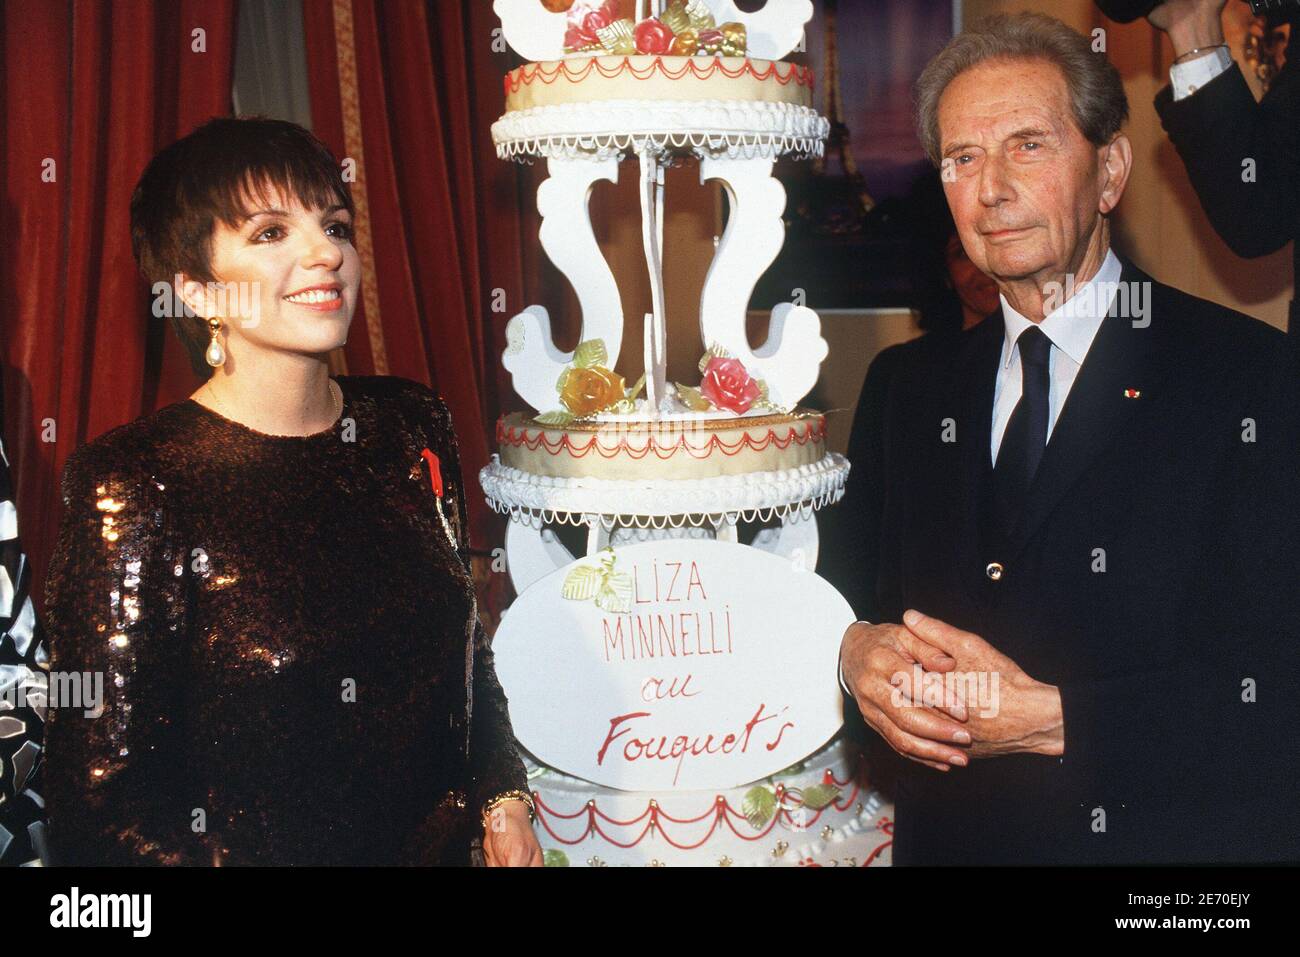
881 665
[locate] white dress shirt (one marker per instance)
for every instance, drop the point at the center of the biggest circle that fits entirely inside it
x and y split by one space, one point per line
1071 327
1189 77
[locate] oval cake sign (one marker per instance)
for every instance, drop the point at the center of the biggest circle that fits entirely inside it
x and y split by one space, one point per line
674 664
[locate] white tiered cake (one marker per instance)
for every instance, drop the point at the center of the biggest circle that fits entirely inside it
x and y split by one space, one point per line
674 686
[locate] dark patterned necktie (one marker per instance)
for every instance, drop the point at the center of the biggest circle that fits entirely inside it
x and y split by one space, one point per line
1026 435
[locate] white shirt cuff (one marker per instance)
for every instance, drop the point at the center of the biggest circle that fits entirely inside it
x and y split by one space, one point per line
1189 77
844 684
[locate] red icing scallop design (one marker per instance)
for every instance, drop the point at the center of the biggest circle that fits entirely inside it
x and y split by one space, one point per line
701 67
566 445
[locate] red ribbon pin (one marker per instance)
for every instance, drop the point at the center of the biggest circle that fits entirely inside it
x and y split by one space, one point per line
435 480
435 471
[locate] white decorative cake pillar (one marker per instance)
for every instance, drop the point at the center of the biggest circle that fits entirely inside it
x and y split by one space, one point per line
567 237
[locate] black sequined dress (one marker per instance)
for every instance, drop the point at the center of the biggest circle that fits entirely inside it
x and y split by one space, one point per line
293 667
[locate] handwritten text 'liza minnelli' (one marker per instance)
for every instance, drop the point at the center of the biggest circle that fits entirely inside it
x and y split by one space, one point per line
666 633
676 636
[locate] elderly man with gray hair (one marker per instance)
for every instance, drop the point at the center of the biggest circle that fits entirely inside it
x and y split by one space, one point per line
1083 630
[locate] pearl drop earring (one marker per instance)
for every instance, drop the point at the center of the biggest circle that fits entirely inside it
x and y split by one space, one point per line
216 353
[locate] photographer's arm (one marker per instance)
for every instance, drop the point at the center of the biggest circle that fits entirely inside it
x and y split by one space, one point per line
23 691
1242 156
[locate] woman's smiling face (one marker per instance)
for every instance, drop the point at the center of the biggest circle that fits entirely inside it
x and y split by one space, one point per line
290 276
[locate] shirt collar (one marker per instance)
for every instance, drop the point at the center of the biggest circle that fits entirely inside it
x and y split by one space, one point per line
1073 325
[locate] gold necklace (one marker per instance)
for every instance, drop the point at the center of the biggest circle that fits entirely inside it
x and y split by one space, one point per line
337 393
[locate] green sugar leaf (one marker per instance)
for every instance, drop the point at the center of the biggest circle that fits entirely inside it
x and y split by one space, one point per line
590 353
758 806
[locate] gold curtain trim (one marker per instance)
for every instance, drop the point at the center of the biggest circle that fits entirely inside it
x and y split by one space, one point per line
351 107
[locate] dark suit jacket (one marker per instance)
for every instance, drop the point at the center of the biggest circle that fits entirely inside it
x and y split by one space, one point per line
1218 127
1200 540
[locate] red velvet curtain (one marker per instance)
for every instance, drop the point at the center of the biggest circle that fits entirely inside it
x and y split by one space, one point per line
408 91
91 90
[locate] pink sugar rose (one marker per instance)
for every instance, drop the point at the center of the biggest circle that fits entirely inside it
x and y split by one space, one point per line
728 386
584 21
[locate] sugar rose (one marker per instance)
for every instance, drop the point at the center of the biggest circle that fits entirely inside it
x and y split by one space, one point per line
589 390
652 36
728 386
583 24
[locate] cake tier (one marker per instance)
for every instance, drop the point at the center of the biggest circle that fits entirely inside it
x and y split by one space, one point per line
666 449
820 813
604 106
646 77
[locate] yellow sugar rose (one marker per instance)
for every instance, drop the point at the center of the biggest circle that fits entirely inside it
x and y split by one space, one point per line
587 391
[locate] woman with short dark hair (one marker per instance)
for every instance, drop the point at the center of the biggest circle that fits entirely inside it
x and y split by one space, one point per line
272 576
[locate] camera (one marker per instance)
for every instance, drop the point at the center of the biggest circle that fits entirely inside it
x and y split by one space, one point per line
1261 7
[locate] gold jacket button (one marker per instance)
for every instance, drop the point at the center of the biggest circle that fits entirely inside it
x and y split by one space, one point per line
993 570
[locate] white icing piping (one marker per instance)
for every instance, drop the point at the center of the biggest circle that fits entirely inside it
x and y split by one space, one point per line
752 493
730 145
734 128
540 517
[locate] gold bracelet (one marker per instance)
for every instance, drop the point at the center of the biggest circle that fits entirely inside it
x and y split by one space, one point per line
502 798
